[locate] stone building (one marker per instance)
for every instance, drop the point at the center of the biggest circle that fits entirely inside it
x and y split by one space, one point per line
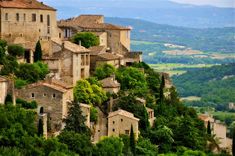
151 116
120 121
110 85
53 96
68 61
115 39
85 108
25 22
3 89
219 130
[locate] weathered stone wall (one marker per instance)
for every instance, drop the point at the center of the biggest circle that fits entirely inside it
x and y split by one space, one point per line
24 29
3 91
122 125
51 100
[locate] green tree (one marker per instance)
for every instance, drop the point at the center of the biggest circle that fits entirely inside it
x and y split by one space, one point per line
162 86
233 144
40 127
110 146
132 141
145 147
38 52
79 143
75 121
104 70
10 65
209 128
87 39
3 43
15 50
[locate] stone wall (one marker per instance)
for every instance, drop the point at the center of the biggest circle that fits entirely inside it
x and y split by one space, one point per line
25 29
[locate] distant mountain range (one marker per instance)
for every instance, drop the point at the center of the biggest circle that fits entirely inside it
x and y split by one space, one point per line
220 40
158 11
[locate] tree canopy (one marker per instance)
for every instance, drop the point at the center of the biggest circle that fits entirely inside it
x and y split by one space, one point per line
87 39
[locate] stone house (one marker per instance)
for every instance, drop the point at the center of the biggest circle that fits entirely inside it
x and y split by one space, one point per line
120 121
99 56
85 108
114 38
3 89
68 61
25 22
110 85
53 96
151 116
219 129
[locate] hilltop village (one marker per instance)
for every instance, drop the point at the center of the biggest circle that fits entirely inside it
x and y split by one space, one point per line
75 73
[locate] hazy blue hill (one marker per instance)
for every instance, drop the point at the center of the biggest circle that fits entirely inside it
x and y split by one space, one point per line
158 11
208 39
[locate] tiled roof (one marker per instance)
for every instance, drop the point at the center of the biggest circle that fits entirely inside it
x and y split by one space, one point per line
3 79
109 83
71 46
95 50
89 22
123 113
54 84
108 56
24 4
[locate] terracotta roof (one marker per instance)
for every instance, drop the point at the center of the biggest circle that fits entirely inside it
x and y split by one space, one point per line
3 79
108 56
24 4
95 50
123 113
54 85
109 83
70 46
89 22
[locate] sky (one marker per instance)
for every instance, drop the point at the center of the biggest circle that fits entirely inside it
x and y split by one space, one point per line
218 3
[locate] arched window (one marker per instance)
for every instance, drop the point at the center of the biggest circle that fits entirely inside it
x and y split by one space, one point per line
41 110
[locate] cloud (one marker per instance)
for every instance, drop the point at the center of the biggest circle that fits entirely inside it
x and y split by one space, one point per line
218 3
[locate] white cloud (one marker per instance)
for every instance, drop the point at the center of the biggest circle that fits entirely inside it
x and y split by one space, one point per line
219 3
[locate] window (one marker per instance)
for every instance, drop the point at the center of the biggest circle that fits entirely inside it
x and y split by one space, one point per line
34 18
113 122
53 95
59 35
24 17
48 20
6 16
98 130
41 18
113 130
32 95
127 132
17 16
48 30
121 120
44 94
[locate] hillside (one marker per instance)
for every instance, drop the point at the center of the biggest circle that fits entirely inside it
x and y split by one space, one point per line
158 11
209 40
214 85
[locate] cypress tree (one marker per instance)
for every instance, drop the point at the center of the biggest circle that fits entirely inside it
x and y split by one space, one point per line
209 128
38 52
233 145
132 142
40 127
75 121
162 86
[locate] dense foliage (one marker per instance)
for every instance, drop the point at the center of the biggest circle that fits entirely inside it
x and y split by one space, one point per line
104 71
38 52
87 39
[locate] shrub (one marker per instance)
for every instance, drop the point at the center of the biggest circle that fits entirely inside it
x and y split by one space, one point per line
87 39
16 50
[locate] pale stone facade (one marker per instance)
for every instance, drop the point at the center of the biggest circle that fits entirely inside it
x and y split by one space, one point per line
120 121
110 85
68 61
3 89
219 130
151 116
25 22
85 108
53 96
